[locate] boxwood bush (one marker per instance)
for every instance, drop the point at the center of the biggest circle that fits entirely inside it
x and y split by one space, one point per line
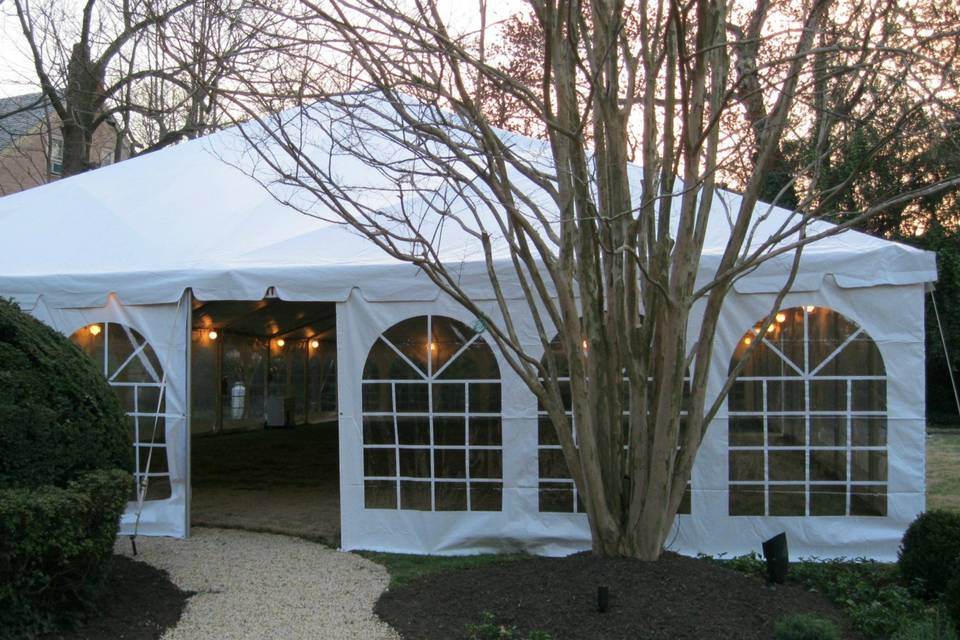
55 550
951 598
64 448
58 416
929 552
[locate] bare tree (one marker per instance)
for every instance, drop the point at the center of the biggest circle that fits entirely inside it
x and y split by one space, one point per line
614 270
152 67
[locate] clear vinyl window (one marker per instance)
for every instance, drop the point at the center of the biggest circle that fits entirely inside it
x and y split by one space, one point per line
808 419
432 431
132 368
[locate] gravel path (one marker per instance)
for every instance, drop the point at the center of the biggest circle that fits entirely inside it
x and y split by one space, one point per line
257 585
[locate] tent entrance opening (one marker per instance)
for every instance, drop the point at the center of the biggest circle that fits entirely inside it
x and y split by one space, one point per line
264 439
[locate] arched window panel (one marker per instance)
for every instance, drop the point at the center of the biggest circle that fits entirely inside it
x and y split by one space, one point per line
432 425
133 370
807 419
557 491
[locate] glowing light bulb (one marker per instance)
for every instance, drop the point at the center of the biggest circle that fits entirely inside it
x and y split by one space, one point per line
280 343
771 328
314 344
747 340
95 329
433 346
810 308
781 317
212 334
585 345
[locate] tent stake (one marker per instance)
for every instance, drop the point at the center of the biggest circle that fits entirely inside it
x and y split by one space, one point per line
133 543
946 354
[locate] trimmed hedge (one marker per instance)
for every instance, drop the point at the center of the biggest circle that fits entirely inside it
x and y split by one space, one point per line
55 550
63 442
58 416
951 598
929 552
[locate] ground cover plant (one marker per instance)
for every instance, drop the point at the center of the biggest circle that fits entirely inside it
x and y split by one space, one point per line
804 626
490 629
62 481
871 593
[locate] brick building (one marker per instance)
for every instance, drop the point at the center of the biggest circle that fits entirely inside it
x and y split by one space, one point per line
31 147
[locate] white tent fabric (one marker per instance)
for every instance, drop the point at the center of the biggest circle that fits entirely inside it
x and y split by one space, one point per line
135 242
148 228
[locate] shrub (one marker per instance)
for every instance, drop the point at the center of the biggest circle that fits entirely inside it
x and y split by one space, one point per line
928 552
806 626
64 439
55 550
951 598
58 416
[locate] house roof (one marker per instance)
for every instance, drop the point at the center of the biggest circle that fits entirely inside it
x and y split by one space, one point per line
20 115
197 216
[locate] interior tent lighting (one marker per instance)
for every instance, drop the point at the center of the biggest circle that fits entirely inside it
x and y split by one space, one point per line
95 329
212 334
280 342
314 344
781 317
810 308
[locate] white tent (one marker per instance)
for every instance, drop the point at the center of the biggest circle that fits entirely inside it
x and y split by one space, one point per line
136 243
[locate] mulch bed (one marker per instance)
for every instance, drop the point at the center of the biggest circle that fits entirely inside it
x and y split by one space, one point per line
675 597
139 603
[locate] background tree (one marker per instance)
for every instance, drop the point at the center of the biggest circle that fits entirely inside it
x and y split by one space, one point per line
151 67
597 259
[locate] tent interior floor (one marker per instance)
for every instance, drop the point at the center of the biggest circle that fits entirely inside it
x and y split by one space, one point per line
277 481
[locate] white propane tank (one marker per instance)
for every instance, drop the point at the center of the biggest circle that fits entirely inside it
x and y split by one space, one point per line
238 397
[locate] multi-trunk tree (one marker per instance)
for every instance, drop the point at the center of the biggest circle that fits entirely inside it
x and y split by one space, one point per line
609 265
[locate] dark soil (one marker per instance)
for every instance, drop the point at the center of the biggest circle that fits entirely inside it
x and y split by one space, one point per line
675 597
139 603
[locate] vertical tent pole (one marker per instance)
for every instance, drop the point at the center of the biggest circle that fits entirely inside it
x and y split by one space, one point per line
946 354
218 354
188 401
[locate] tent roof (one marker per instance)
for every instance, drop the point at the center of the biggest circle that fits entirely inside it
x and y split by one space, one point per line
190 216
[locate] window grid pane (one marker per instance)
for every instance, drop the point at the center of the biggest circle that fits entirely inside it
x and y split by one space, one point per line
132 369
823 417
445 446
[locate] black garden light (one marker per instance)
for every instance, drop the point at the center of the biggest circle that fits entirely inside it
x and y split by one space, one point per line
603 598
778 558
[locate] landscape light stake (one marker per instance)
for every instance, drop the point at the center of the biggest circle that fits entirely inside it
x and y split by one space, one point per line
778 558
603 598
133 543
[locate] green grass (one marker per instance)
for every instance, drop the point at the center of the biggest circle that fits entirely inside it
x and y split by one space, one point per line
404 568
943 469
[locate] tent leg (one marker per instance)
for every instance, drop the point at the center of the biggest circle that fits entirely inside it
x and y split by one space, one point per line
946 354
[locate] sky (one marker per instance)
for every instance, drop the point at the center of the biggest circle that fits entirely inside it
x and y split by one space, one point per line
16 71
16 68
